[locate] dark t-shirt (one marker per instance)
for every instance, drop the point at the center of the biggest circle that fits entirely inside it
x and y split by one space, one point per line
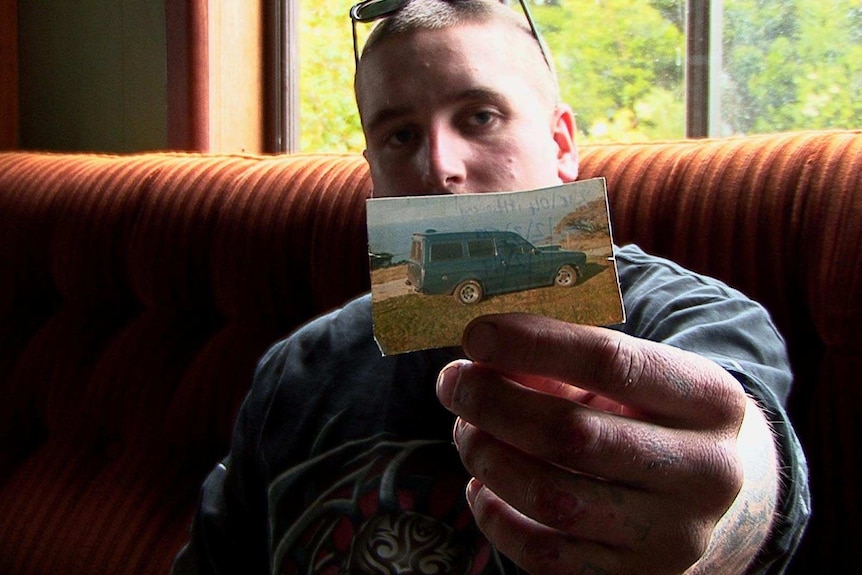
342 459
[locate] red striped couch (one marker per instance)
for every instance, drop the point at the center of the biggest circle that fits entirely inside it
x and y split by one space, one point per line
137 292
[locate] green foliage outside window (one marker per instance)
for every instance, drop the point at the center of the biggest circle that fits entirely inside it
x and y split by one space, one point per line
620 64
790 64
327 115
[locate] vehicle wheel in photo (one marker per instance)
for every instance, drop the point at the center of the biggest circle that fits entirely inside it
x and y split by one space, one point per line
567 276
468 292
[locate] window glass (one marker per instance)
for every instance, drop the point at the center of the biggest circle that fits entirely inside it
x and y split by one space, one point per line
481 248
517 246
620 65
624 78
785 65
327 110
446 251
793 64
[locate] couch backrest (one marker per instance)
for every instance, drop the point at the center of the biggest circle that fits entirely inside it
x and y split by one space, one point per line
137 292
136 295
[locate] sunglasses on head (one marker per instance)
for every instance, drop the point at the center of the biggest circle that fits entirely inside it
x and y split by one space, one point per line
371 10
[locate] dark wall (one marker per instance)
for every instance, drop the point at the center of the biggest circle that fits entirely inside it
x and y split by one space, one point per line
92 75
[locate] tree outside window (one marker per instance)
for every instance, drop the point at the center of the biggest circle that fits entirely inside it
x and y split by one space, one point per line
786 65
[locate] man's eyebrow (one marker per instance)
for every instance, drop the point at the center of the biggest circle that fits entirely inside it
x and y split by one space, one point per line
484 94
386 115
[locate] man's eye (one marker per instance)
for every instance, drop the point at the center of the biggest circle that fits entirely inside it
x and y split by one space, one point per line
482 118
401 137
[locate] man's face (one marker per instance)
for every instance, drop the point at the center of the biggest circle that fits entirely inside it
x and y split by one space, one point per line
458 111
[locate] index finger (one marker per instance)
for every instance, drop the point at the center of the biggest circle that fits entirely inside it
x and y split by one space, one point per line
650 377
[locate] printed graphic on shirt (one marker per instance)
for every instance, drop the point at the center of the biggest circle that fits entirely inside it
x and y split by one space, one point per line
378 506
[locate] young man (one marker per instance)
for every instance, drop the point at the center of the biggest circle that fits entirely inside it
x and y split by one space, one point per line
645 448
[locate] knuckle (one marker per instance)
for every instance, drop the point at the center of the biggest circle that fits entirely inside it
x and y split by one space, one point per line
575 436
718 477
622 366
731 400
555 506
720 392
726 473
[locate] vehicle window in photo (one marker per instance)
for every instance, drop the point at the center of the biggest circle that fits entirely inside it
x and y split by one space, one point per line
481 248
513 247
446 251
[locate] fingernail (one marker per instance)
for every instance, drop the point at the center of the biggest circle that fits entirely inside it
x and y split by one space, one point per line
473 487
446 382
480 341
457 430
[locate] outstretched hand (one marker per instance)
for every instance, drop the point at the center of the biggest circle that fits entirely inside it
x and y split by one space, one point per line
596 452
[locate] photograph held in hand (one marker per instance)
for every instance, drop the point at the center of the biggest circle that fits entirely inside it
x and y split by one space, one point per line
437 262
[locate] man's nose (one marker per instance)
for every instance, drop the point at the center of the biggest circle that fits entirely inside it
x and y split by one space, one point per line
445 154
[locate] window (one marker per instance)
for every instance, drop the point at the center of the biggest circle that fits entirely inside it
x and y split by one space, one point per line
515 247
481 248
446 251
634 70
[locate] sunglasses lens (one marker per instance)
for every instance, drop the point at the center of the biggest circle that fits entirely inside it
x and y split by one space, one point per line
374 9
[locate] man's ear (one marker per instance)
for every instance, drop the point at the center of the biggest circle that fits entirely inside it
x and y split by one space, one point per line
368 161
564 135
